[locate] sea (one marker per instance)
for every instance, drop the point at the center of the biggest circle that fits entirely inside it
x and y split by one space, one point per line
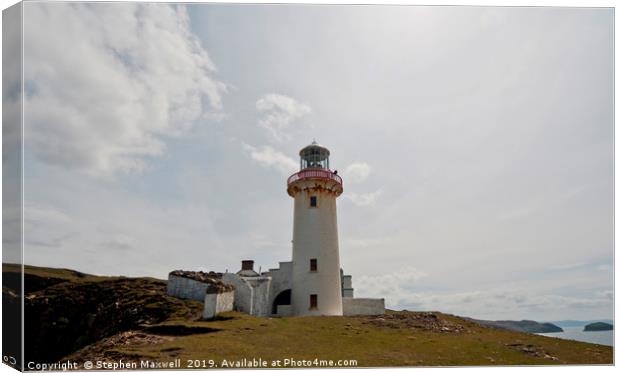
605 337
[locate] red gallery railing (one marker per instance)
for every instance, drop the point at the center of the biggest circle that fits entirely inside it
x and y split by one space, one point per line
314 174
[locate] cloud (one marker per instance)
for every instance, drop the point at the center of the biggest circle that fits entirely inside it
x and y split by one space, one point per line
106 87
89 233
39 216
604 267
268 157
279 112
366 242
606 294
11 89
357 172
43 213
394 287
119 242
515 303
567 267
363 199
401 290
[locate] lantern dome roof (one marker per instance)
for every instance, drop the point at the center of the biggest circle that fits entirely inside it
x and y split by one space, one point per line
314 148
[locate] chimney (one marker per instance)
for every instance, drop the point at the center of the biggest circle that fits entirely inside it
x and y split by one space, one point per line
247 265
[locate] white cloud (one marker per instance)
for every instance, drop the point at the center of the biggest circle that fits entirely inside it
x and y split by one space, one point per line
41 213
366 242
401 290
363 199
267 156
279 112
89 233
119 242
357 172
604 267
394 286
512 303
106 86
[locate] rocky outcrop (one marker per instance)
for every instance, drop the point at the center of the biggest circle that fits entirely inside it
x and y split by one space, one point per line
67 312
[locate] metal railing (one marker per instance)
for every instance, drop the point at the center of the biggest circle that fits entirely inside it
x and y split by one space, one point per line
314 174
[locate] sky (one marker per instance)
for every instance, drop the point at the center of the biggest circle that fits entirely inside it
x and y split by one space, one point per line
475 144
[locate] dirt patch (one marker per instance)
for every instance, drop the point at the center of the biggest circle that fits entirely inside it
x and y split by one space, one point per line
427 321
178 330
531 350
106 349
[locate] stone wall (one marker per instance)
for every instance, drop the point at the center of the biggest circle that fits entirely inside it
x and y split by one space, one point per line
186 288
363 306
215 303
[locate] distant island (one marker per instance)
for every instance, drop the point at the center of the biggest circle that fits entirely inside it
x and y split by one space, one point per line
578 323
597 327
527 326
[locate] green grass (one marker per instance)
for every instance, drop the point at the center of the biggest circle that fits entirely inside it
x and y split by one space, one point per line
338 338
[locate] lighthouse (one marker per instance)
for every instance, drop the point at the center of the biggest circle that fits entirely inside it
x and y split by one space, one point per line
315 279
312 283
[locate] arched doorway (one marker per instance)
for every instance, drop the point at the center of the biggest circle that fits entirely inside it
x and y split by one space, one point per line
283 298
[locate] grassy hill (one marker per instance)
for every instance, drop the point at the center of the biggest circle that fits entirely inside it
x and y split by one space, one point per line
112 318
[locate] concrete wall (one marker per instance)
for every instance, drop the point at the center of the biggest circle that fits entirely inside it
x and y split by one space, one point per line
217 303
280 280
347 281
315 236
260 295
243 292
363 306
251 293
185 288
347 286
285 310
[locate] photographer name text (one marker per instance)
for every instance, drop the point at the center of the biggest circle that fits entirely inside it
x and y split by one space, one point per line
192 364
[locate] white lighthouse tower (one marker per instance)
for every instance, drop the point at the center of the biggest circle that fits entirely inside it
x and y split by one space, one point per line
316 282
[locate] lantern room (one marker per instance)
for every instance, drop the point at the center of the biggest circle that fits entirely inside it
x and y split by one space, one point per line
314 156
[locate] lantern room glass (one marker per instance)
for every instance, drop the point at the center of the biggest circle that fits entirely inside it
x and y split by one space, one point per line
314 158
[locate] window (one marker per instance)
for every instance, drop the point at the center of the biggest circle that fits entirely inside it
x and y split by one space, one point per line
313 265
313 301
313 201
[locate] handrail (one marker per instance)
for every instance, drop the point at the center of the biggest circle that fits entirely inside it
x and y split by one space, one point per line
314 174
